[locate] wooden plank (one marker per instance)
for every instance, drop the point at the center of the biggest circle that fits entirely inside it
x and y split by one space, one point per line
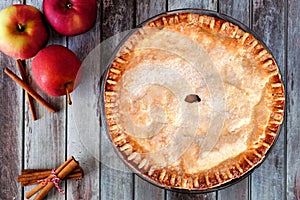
83 116
268 23
11 134
45 139
116 182
145 10
240 11
186 196
143 190
117 16
211 5
180 4
293 106
238 191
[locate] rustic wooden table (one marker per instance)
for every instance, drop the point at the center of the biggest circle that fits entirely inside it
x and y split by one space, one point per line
47 142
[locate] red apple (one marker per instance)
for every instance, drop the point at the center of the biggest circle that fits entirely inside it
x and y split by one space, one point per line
22 31
55 69
70 17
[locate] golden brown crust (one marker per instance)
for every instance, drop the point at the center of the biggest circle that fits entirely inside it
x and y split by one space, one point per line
273 96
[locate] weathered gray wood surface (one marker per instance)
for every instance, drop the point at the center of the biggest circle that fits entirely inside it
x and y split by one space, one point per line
268 22
49 141
78 121
45 139
293 106
11 129
117 16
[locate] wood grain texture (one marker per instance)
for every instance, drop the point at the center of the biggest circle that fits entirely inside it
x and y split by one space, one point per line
239 10
143 190
11 117
116 16
11 126
268 23
146 9
293 106
236 9
83 116
239 191
200 4
185 196
45 139
209 5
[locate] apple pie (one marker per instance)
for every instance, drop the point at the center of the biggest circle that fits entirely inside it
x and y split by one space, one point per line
192 101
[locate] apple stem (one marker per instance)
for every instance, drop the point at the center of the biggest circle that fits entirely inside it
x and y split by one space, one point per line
20 27
69 97
69 5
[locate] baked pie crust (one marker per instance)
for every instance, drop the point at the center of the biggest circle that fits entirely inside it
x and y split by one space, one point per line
193 145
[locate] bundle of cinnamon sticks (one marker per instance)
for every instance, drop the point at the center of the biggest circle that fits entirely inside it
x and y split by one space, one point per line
68 170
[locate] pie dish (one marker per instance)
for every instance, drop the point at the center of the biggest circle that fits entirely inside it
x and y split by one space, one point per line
192 101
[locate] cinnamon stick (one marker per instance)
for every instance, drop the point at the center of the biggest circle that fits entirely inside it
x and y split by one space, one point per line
21 68
75 176
40 186
28 173
69 177
28 89
30 177
62 174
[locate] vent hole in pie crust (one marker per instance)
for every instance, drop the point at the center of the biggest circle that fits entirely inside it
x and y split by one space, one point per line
192 98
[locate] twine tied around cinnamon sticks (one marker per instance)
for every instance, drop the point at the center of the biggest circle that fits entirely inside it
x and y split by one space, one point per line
47 179
54 179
